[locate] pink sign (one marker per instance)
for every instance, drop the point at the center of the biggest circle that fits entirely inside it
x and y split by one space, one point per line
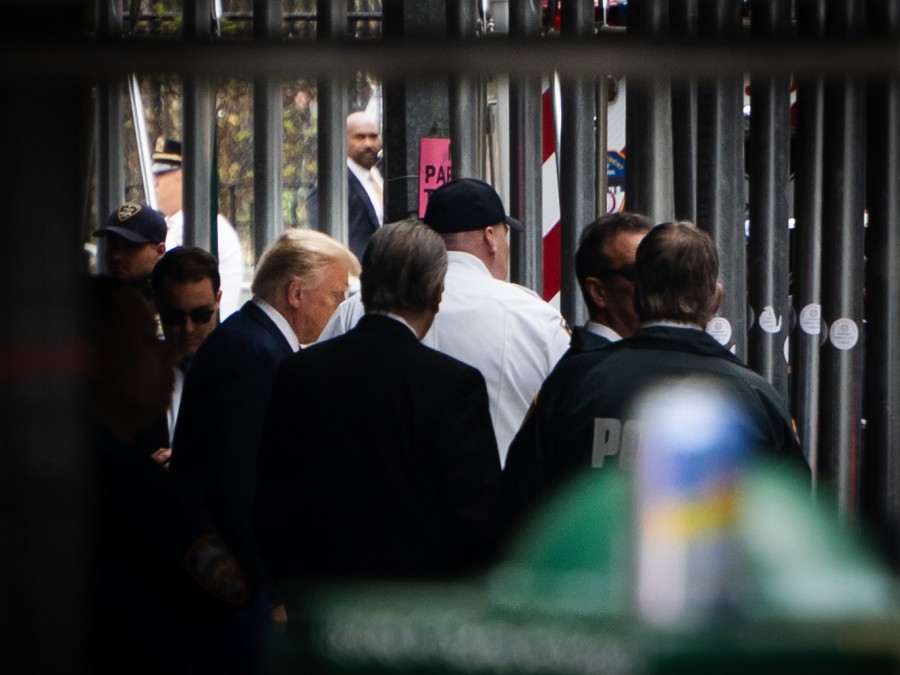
434 168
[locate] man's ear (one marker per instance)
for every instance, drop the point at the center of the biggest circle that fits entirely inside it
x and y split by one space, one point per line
720 293
218 297
488 238
160 249
596 291
436 303
295 294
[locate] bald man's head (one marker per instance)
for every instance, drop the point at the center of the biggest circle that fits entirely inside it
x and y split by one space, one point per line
363 139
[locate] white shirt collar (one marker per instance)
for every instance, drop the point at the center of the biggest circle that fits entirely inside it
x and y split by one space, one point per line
602 331
279 320
362 172
672 324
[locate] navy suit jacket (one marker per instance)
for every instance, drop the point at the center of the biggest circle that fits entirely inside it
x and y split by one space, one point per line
363 221
220 423
379 460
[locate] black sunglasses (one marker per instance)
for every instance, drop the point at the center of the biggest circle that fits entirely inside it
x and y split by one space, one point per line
627 272
172 317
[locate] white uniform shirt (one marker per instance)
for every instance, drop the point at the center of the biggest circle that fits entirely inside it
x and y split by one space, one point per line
231 259
504 330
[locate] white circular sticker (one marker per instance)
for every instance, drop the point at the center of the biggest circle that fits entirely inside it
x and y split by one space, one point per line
844 334
720 329
768 321
787 349
811 319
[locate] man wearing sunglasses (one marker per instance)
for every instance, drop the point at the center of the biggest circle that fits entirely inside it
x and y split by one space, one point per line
186 292
604 267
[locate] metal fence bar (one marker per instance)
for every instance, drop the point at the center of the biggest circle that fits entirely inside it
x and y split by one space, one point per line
809 334
649 183
842 287
683 21
768 251
526 155
268 137
881 463
332 131
466 97
720 172
197 145
577 159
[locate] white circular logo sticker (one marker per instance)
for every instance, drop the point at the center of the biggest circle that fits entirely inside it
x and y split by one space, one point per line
768 321
811 319
844 334
720 329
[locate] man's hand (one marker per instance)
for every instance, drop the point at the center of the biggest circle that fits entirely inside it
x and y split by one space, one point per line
162 456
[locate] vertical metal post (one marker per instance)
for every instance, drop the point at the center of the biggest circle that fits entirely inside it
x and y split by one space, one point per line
649 183
842 288
720 173
683 22
768 251
331 24
413 107
466 97
881 464
109 131
810 146
199 118
268 133
526 154
45 478
577 160
602 84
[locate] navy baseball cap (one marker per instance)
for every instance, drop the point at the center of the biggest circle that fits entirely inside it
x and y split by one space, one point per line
137 223
466 204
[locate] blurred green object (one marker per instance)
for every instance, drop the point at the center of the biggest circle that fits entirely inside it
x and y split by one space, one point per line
814 598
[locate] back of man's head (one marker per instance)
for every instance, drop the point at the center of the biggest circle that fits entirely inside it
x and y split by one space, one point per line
301 255
403 268
676 275
592 257
184 264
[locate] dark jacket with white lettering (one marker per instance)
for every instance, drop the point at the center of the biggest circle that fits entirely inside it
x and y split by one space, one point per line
557 438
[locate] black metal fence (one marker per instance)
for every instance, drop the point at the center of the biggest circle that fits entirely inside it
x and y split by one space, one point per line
815 309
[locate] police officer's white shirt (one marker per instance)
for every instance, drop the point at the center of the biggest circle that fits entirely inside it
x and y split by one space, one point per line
504 330
602 331
230 255
373 183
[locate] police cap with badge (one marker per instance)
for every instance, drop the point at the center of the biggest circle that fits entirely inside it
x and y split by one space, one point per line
166 155
137 223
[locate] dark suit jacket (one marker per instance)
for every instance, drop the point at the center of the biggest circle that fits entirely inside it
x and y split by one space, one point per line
379 460
220 423
363 221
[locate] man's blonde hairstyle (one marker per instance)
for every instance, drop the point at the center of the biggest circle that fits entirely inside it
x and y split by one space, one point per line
302 255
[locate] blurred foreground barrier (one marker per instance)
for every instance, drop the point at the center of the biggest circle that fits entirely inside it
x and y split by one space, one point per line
810 597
